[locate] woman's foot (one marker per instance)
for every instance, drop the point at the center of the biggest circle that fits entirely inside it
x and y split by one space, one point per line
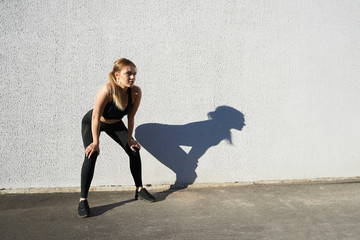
143 194
83 209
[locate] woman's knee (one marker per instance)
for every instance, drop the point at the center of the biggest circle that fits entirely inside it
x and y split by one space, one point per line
93 156
132 153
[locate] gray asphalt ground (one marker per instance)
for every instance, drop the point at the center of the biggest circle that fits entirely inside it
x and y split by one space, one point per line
295 211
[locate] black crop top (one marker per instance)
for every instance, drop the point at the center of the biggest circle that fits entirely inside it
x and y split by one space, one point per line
111 111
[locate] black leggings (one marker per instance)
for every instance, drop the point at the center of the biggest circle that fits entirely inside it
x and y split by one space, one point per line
119 133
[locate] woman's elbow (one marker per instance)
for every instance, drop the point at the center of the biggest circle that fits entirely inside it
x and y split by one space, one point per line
95 116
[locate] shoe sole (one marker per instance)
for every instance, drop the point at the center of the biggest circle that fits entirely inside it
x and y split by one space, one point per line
85 216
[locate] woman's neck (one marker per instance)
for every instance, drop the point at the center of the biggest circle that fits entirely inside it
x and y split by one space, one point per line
122 88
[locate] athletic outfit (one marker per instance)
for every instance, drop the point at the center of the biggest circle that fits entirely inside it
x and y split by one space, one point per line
116 131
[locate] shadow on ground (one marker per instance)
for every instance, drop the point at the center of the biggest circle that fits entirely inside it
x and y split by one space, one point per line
99 210
167 143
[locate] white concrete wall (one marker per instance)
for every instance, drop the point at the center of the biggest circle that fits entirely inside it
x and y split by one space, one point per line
291 67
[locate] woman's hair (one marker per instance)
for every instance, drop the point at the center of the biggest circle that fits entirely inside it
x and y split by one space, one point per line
115 91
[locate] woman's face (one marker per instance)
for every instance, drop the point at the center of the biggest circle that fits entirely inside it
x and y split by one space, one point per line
126 76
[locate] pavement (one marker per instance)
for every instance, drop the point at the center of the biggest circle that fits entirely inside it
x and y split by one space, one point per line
294 211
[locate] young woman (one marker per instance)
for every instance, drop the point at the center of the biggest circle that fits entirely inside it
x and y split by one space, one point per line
114 100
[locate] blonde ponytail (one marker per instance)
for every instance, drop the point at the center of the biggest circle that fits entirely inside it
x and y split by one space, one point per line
115 92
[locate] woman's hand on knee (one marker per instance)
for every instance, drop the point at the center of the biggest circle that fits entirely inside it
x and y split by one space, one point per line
133 144
93 147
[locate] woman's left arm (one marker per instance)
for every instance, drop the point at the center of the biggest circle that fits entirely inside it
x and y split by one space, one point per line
136 92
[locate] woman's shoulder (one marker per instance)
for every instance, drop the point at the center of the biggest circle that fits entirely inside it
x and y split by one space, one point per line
106 89
107 86
136 90
136 93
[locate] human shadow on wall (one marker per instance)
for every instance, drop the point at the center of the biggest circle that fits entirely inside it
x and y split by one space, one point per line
164 143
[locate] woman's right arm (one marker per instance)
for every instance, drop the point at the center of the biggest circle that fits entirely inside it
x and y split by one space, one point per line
101 99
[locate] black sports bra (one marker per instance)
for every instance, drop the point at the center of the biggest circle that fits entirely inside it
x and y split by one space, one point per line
111 111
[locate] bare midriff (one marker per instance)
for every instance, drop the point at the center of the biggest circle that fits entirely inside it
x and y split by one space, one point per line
109 121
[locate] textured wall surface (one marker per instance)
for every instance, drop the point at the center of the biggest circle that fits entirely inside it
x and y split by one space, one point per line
288 70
